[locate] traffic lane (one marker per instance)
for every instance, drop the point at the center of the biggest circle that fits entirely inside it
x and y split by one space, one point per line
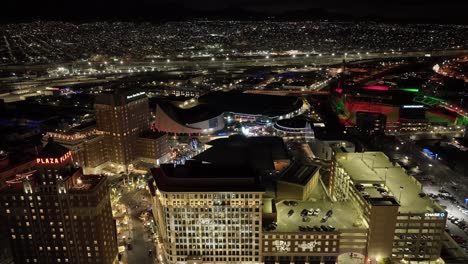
141 237
141 242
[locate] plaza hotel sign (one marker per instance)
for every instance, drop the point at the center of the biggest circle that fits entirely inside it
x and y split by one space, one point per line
59 160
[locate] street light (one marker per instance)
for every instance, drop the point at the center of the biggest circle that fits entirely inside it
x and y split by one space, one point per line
399 197
386 170
373 159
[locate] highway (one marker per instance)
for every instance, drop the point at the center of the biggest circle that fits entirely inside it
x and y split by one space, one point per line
114 71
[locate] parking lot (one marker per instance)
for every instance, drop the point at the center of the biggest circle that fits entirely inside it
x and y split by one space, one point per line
457 220
344 215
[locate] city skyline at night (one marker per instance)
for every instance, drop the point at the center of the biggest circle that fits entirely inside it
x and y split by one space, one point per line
209 132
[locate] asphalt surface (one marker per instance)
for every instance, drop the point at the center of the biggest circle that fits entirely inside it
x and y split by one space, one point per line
141 240
441 177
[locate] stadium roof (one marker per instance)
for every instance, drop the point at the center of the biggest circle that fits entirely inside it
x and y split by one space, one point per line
253 104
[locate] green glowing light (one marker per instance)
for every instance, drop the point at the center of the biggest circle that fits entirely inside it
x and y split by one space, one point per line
411 90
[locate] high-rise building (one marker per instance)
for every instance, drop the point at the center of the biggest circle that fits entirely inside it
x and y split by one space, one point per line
368 210
201 213
122 116
55 214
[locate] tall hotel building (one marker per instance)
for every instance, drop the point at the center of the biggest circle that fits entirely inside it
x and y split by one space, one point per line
203 215
54 214
366 211
122 116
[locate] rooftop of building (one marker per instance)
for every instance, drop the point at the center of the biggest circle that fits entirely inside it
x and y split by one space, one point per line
149 134
294 123
86 183
252 104
259 153
371 168
344 215
52 150
186 116
299 173
196 176
119 97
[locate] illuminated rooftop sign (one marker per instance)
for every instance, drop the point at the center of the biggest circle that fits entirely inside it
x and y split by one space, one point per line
60 160
376 88
413 106
135 95
434 214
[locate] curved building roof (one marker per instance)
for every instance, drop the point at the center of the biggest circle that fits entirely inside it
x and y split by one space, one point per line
191 115
252 104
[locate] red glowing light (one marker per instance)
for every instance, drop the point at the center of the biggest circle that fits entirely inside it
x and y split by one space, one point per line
376 88
339 90
54 160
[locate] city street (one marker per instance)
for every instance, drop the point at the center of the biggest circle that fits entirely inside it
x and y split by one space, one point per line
138 238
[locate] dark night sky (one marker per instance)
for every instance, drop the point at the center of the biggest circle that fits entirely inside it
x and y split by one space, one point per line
397 10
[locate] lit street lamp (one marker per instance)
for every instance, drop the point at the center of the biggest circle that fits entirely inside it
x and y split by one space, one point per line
386 171
399 197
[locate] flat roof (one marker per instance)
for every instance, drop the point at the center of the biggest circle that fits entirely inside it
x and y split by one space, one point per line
371 167
344 215
237 150
299 173
195 176
151 134
119 97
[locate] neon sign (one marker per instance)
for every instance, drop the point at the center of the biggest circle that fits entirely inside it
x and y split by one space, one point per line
54 160
434 214
413 106
135 95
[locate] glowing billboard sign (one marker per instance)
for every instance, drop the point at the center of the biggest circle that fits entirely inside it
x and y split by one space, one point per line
434 214
59 160
413 106
135 95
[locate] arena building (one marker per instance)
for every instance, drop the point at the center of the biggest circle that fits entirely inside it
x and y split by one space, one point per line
199 119
294 129
209 113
